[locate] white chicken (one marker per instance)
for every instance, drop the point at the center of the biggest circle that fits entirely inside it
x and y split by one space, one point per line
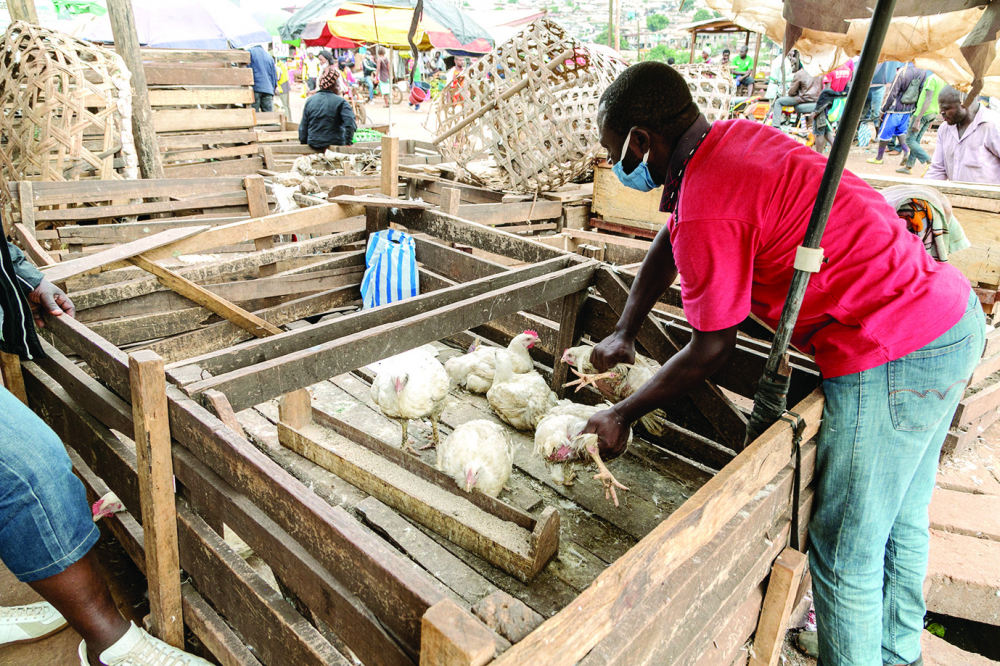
519 399
559 442
415 386
475 370
478 454
617 383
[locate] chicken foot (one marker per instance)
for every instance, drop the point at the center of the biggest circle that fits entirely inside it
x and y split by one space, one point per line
605 476
406 446
437 435
588 380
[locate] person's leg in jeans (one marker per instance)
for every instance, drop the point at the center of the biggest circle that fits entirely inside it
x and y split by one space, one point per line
256 101
913 139
880 433
776 109
266 102
47 535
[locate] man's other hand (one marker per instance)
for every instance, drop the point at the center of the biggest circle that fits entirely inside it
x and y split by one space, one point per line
611 351
612 432
53 299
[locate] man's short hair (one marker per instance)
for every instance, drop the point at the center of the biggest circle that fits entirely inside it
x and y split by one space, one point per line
650 94
726 51
950 93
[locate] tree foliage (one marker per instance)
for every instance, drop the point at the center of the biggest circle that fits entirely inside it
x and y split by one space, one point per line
602 38
702 15
656 22
661 52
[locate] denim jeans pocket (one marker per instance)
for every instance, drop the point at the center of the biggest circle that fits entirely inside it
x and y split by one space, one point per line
923 385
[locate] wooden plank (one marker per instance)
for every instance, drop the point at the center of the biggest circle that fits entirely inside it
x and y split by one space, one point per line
389 166
294 341
272 225
176 56
26 208
451 636
509 213
569 334
156 492
32 247
424 495
258 383
964 513
203 297
569 635
13 381
397 592
447 568
219 404
283 285
380 202
785 576
176 156
205 140
456 230
123 232
976 405
125 210
139 283
963 575
200 96
173 75
238 167
450 200
108 258
724 416
225 334
88 191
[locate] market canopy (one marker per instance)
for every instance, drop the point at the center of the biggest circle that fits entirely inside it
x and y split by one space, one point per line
387 22
955 39
187 24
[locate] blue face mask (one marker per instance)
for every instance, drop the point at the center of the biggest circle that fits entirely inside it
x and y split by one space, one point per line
639 179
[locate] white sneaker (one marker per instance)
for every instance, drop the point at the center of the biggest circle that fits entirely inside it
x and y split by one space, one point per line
27 624
137 648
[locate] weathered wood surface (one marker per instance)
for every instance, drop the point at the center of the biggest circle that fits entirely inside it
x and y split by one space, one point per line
250 386
13 381
495 241
573 632
393 589
156 492
785 576
450 636
104 260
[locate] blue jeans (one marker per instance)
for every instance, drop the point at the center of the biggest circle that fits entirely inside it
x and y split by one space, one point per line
913 141
45 523
873 104
876 464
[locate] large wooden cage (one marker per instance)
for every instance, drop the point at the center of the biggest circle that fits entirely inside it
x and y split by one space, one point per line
675 575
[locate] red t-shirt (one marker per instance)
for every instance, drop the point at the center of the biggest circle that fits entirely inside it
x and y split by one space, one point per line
838 78
743 208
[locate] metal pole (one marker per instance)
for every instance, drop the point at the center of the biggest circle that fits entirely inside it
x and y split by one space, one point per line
769 402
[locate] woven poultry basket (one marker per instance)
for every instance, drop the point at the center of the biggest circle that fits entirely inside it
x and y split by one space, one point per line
711 86
531 104
67 110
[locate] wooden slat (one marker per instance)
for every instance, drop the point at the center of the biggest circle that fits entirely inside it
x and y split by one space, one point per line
281 223
159 75
203 297
394 590
451 636
32 247
249 386
389 166
569 635
156 492
204 140
108 258
86 191
125 210
456 230
210 154
785 576
196 96
13 381
237 167
177 56
294 341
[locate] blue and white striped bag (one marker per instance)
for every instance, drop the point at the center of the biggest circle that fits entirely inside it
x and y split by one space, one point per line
391 269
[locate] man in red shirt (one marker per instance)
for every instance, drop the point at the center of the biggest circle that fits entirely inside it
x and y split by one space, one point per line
895 334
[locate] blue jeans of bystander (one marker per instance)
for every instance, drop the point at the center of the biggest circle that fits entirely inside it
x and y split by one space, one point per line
913 141
45 523
876 463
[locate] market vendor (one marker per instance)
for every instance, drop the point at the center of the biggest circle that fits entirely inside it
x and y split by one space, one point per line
895 334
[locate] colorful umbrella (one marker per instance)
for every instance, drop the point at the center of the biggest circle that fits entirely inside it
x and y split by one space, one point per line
387 22
187 24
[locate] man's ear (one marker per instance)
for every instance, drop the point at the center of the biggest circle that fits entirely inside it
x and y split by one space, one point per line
641 141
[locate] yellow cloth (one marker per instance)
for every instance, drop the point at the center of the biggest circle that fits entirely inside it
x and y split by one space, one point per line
282 75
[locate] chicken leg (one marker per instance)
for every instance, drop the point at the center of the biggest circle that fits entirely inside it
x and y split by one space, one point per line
437 436
588 380
605 476
406 437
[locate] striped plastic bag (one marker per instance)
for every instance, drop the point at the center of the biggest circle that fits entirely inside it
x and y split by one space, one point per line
391 269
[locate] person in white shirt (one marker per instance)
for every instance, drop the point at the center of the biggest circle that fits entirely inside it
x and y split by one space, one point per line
968 146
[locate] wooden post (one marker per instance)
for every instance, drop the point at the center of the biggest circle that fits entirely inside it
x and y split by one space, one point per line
756 56
22 10
569 334
390 166
257 203
127 46
156 493
451 198
694 40
295 409
450 636
10 368
26 202
781 590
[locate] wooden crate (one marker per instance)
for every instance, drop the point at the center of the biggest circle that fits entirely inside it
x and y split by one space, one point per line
673 576
625 208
